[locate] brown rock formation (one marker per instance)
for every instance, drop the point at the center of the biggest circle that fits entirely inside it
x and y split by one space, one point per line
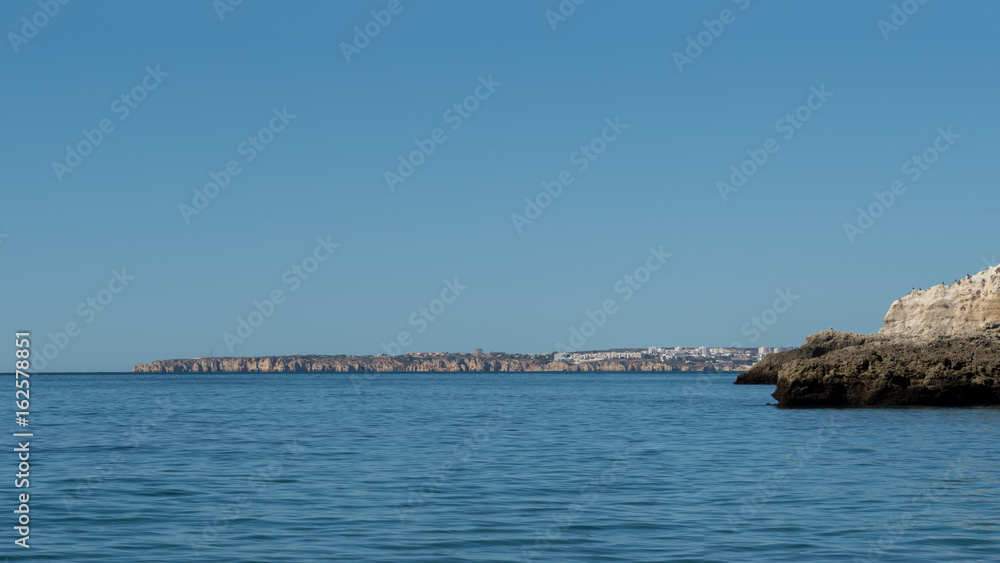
939 347
765 372
945 370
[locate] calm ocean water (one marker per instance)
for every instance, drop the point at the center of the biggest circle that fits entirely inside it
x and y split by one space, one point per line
498 467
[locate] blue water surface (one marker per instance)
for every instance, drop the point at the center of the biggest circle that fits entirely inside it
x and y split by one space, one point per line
602 467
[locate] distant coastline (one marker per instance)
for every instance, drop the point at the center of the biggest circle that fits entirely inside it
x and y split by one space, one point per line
441 362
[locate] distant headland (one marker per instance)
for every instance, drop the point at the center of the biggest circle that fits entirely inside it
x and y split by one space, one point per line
677 359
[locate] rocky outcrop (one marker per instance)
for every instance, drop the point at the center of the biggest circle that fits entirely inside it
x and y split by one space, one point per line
945 370
765 372
468 363
938 347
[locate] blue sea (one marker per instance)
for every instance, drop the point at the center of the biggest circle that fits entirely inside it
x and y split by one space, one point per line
605 467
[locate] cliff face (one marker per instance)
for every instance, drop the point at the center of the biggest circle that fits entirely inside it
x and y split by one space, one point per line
345 364
970 306
939 347
401 364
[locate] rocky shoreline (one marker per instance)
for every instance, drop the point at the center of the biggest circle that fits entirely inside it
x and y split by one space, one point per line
939 346
943 371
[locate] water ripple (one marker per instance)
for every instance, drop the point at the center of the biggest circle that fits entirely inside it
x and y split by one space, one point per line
514 467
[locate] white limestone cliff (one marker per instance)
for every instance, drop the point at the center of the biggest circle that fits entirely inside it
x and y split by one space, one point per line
970 306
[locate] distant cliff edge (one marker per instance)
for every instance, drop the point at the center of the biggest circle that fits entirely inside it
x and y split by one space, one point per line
407 363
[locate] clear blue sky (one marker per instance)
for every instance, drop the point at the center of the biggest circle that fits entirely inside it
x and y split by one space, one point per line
323 174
